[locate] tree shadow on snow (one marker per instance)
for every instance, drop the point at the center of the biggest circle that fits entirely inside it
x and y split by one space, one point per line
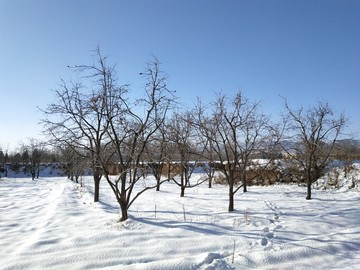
205 228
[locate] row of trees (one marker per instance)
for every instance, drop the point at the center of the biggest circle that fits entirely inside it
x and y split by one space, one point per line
99 120
28 159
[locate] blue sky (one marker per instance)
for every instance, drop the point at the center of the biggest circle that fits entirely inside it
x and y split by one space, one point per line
305 51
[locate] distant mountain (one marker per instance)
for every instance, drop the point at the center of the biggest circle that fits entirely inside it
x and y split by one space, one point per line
349 142
288 145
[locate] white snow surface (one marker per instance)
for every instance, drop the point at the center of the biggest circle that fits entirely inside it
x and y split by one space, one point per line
52 223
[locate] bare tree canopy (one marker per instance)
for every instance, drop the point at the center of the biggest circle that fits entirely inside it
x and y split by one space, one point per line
133 125
78 119
32 156
314 133
98 123
183 136
235 130
98 120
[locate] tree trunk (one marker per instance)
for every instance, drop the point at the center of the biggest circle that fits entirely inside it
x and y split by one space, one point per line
124 212
231 197
308 177
182 193
158 177
244 180
308 197
96 190
97 178
244 186
183 184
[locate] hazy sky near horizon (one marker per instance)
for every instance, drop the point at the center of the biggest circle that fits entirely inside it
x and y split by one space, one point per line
304 50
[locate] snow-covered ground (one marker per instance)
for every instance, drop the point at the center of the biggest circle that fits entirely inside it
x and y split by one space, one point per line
52 223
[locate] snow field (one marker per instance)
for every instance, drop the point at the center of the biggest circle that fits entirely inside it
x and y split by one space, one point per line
52 223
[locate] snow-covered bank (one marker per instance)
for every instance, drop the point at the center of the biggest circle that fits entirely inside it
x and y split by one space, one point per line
52 223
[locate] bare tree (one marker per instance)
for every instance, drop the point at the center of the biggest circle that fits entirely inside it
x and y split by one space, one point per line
235 131
132 125
205 140
16 162
181 132
158 154
78 117
32 154
314 132
4 159
73 163
4 162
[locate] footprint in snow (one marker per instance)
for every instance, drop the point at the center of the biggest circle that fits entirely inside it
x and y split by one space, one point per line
266 236
264 241
214 261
